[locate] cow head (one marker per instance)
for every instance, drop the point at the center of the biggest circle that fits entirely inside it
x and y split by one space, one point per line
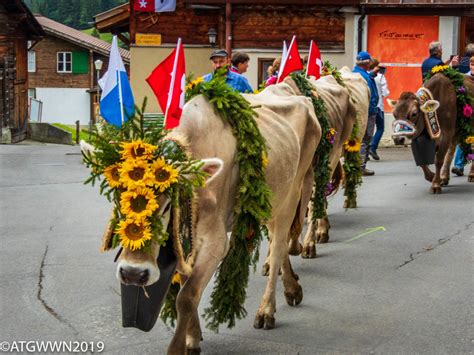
139 267
409 108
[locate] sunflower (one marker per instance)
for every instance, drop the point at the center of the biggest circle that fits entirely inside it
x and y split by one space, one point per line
439 68
135 173
470 140
264 160
352 145
139 203
134 233
112 175
194 83
164 174
176 278
137 149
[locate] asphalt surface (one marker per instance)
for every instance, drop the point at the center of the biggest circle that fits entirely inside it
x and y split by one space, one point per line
408 289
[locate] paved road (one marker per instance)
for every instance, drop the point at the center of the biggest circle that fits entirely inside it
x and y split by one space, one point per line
408 289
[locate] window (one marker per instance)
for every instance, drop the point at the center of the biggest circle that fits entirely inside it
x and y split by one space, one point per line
263 65
32 93
64 62
31 61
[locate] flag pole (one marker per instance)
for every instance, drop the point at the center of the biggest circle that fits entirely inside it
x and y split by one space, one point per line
119 80
309 57
286 57
173 76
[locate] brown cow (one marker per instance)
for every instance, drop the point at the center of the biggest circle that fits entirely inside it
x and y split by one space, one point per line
408 108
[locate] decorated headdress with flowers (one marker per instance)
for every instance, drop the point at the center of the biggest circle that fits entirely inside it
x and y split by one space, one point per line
135 166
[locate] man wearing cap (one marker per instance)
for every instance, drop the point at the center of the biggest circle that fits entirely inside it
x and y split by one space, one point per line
237 81
362 67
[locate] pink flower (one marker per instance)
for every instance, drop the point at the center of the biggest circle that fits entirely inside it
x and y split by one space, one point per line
470 157
467 111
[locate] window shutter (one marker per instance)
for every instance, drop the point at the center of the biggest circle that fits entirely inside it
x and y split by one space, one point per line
80 62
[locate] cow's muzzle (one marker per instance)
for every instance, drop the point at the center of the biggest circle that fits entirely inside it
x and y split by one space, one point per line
138 275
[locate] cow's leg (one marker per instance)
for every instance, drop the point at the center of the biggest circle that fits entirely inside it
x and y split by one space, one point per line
309 244
446 165
429 175
439 160
470 178
211 252
295 247
194 335
293 291
322 232
279 228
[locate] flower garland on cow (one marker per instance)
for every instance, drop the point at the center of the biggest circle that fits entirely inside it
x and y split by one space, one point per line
252 203
464 106
352 161
322 171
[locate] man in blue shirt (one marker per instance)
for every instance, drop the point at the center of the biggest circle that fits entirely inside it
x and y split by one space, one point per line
436 51
219 59
362 67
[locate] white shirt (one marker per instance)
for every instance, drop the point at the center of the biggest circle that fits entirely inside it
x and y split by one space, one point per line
382 89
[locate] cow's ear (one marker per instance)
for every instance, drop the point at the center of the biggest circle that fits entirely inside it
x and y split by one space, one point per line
392 103
429 106
213 167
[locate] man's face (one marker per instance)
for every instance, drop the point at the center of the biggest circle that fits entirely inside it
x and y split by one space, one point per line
471 67
218 62
242 67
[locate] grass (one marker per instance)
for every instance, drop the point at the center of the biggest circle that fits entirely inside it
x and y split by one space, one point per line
72 129
107 37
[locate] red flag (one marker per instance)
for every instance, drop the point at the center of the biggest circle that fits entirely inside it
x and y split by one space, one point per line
168 82
292 61
154 5
314 61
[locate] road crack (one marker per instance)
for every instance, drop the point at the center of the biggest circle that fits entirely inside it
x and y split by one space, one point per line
40 296
440 242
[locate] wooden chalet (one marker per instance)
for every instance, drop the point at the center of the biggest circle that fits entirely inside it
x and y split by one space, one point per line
395 31
18 29
62 74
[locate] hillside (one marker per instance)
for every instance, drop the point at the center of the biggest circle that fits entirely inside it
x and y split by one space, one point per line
74 13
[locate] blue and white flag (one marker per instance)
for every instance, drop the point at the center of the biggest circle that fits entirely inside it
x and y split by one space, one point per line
116 104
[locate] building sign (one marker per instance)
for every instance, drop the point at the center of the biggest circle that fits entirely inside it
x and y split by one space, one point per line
147 39
401 44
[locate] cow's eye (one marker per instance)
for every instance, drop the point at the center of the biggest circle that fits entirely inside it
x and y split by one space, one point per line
413 115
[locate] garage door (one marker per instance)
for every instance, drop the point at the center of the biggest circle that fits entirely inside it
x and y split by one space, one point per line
401 44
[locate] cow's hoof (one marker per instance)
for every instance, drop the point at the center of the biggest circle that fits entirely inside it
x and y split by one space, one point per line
444 182
294 298
258 322
350 204
470 178
193 351
309 251
269 322
266 269
435 190
295 249
322 237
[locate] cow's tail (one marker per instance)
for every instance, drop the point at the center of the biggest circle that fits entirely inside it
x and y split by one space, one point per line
337 178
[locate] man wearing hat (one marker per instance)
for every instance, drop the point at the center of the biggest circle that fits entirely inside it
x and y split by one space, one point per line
219 60
362 67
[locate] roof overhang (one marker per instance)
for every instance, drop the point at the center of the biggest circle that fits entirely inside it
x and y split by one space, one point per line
276 2
114 20
20 10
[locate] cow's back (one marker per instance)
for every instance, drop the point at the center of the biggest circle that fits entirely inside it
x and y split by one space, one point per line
360 96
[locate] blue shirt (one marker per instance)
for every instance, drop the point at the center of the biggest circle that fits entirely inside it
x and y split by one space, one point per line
374 96
428 64
237 81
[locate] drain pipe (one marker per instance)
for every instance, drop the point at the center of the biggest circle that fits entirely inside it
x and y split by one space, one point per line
360 29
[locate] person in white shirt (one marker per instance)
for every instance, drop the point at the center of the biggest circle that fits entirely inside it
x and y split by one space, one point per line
378 73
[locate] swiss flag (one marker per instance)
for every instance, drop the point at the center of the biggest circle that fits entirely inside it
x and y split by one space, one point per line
314 61
168 82
292 61
154 5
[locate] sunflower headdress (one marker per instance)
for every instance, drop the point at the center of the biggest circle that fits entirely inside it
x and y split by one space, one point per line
135 167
